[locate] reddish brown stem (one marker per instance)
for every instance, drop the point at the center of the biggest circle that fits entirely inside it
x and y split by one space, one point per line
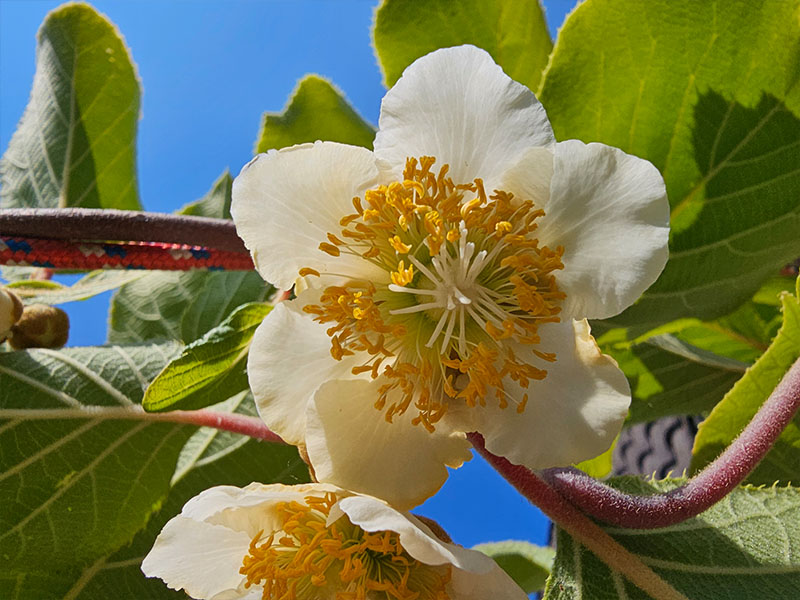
706 488
91 224
251 426
578 525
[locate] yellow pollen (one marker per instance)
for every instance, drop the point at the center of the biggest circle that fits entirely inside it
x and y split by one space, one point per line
474 282
398 245
503 227
403 276
305 271
329 248
307 559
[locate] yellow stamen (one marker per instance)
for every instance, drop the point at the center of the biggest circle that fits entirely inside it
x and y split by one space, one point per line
313 560
478 282
329 248
398 245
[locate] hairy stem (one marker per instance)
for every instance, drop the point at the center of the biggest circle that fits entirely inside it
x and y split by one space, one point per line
250 426
706 488
91 224
578 525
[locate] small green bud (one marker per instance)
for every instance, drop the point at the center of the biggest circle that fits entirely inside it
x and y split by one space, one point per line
10 312
41 326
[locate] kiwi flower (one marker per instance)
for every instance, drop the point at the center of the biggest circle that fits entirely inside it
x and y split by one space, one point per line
443 283
314 542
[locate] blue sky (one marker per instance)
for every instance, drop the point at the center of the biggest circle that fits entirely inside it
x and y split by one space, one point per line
209 69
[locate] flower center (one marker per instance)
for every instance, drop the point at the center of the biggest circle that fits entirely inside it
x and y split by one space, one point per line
308 559
470 285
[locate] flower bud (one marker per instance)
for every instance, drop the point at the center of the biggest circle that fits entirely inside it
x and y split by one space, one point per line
10 312
41 326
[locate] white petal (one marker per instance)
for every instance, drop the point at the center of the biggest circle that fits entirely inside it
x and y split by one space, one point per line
248 509
610 212
573 414
457 105
289 359
350 444
416 538
200 558
285 202
530 178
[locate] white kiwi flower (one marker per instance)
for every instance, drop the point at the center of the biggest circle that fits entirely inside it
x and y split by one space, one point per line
445 282
314 542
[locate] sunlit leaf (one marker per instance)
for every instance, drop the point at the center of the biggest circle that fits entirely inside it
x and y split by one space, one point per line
707 91
731 415
211 369
316 111
514 33
76 142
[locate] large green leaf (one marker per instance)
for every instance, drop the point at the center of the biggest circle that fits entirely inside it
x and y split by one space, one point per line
707 91
211 369
743 547
210 457
527 564
81 471
76 143
316 111
729 417
513 32
119 575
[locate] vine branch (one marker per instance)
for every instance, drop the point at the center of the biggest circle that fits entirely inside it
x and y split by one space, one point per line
578 525
236 423
95 224
706 488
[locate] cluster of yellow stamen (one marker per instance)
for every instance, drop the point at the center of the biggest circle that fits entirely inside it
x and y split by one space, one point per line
468 280
307 559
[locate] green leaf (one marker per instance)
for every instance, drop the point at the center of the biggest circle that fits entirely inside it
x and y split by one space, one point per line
152 307
119 575
707 92
527 564
80 470
514 33
688 365
600 466
216 204
669 378
742 547
317 111
737 408
222 293
210 369
210 457
32 291
76 143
